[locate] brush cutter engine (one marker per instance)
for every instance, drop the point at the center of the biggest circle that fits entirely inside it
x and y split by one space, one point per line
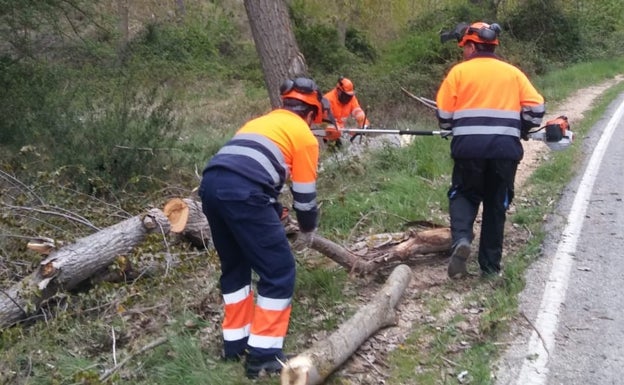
556 134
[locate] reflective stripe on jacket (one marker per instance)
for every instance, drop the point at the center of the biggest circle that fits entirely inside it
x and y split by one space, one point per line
342 112
270 149
486 102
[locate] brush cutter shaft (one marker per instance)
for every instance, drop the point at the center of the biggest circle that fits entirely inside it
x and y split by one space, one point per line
393 132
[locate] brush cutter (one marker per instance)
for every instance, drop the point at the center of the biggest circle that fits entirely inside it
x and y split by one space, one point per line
555 133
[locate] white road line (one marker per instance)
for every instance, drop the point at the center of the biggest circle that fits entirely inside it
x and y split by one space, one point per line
534 369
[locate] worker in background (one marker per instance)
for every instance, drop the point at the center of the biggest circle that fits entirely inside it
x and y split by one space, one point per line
344 104
489 105
332 134
239 192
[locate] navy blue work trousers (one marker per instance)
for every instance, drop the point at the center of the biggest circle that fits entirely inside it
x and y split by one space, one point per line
487 181
247 234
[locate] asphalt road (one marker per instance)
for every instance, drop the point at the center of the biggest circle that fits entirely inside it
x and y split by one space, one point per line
574 299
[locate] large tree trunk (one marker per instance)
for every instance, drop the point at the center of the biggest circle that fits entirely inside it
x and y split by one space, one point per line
314 365
275 43
70 265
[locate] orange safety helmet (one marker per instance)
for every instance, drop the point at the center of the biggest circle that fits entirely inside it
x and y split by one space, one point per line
480 32
345 85
306 91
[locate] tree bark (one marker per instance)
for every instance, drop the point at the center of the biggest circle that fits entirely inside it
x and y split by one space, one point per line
70 265
314 365
275 43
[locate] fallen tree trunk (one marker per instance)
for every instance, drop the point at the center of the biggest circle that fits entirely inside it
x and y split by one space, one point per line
365 257
188 221
70 265
381 250
314 365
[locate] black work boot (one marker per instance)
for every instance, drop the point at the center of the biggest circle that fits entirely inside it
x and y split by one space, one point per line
263 366
457 264
233 357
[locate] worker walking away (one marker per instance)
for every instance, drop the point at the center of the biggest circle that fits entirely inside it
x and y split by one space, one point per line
489 105
344 105
239 192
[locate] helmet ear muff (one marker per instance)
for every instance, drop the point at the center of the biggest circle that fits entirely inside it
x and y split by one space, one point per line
286 86
489 33
340 84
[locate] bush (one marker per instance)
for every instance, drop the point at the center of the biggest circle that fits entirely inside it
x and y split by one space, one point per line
319 44
357 43
555 33
25 102
126 145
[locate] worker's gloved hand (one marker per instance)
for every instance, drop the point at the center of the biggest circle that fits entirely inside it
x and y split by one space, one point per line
446 133
332 133
303 241
524 133
359 134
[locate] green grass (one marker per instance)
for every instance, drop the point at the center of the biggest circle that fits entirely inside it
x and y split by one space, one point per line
558 85
383 191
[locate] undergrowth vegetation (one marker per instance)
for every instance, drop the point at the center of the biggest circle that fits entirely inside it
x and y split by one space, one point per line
94 132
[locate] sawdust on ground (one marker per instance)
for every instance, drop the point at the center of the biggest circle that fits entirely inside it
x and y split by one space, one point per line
368 365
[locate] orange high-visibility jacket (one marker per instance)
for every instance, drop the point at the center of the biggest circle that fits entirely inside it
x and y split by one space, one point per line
269 150
486 102
342 112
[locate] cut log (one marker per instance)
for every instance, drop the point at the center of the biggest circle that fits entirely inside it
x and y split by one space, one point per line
367 256
341 255
188 220
42 245
314 365
70 265
177 211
